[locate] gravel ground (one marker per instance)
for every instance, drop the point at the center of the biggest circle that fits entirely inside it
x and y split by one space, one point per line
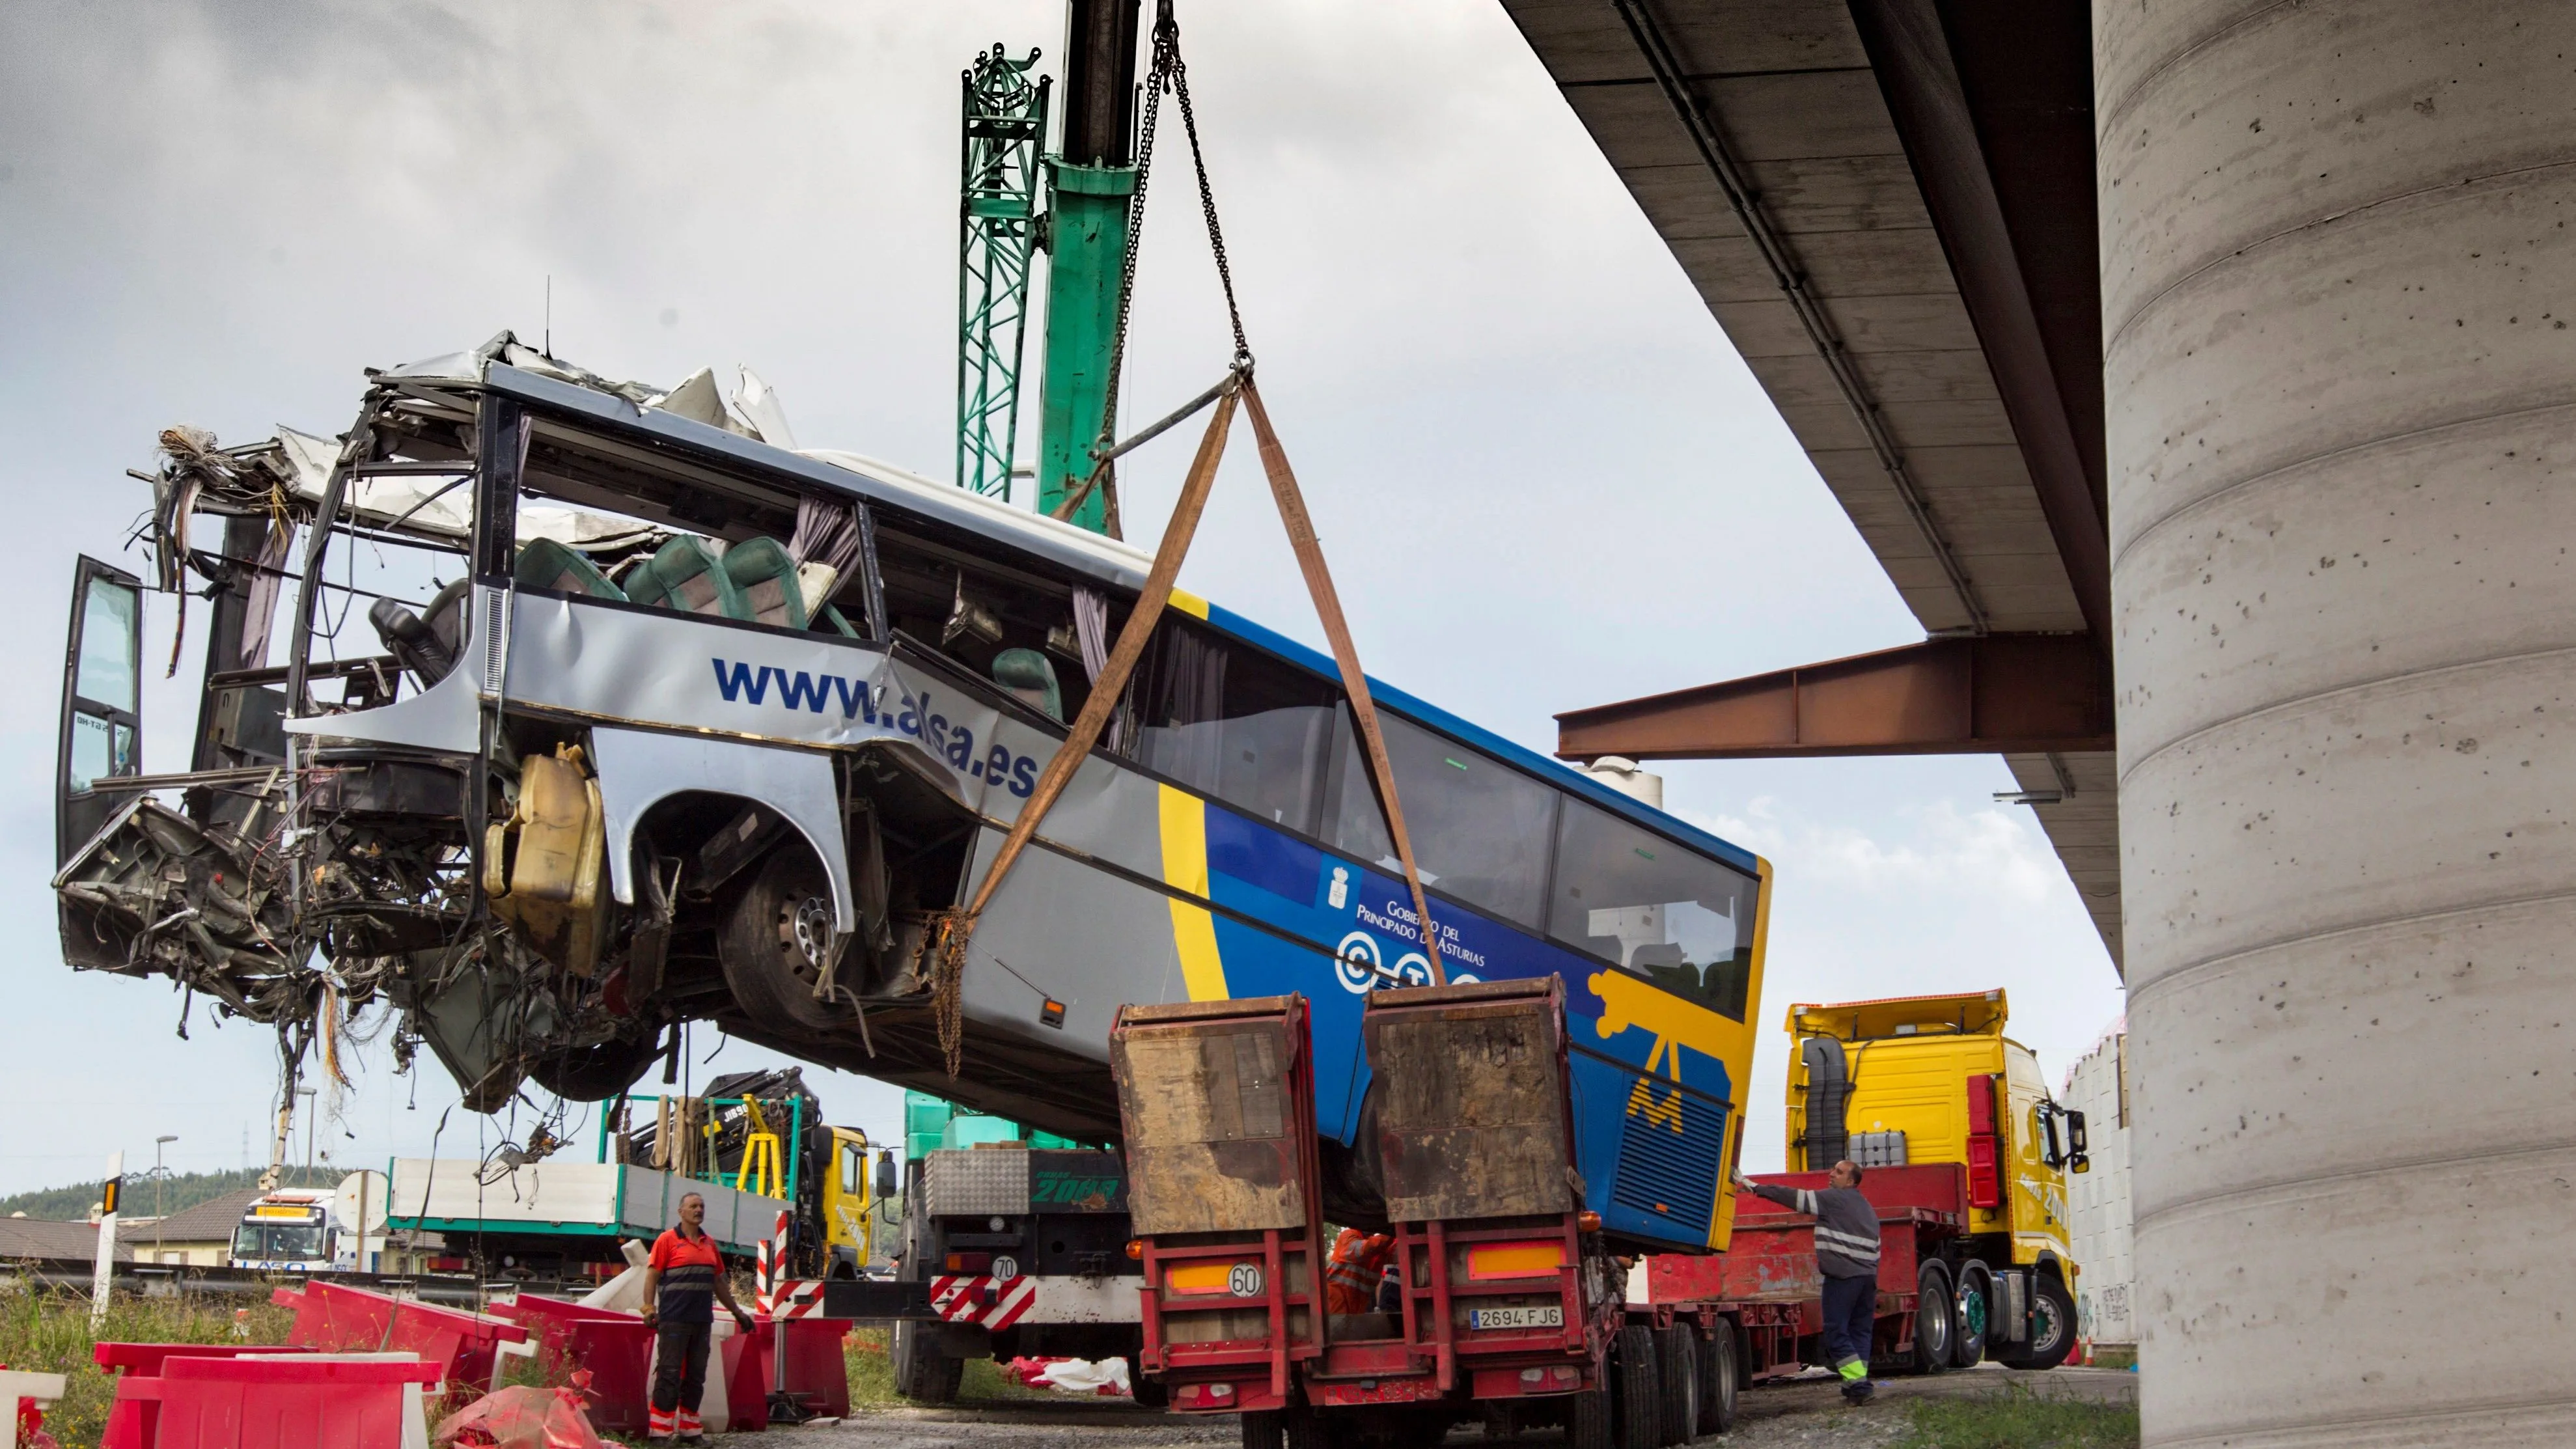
1809 1414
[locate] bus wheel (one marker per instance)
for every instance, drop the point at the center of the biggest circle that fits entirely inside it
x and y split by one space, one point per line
1677 1372
776 941
1262 1429
1717 1379
1641 1404
1936 1319
2052 1326
1976 1309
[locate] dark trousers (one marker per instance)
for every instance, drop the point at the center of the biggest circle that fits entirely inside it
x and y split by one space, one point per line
1851 1319
680 1365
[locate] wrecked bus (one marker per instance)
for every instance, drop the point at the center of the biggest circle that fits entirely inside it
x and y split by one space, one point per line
551 712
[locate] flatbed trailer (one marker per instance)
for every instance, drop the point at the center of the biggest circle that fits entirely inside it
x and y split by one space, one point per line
1939 1306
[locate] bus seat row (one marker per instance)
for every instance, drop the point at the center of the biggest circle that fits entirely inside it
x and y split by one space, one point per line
754 580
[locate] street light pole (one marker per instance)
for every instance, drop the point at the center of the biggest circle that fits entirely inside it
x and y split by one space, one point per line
160 1179
307 1094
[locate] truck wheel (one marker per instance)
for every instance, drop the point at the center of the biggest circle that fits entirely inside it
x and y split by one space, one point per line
1677 1377
776 940
1305 1429
1717 1380
921 1372
2052 1326
1262 1429
1976 1310
1641 1404
1148 1393
1588 1421
1936 1319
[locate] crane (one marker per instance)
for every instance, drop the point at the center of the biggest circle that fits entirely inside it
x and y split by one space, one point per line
1090 183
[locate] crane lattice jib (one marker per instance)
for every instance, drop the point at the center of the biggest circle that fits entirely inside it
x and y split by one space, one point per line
1006 117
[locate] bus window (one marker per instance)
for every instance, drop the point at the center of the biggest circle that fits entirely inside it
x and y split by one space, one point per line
853 1165
1632 897
1234 723
1480 828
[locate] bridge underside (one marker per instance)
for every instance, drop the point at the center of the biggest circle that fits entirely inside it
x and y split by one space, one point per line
1889 207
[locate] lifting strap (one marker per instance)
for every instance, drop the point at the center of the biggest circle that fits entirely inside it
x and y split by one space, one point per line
948 942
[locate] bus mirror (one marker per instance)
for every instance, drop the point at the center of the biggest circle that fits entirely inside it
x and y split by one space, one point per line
2079 1164
887 1184
2075 1141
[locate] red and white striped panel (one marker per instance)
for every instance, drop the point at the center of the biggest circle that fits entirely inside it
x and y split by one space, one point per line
974 1298
795 1298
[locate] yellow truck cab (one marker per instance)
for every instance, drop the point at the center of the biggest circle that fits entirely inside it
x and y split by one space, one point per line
853 1201
1920 1080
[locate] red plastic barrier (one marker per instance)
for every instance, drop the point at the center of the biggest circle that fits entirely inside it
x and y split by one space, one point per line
130 1422
818 1373
267 1402
617 1349
337 1318
746 1371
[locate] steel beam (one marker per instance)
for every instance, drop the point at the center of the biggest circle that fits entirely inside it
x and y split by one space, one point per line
1997 693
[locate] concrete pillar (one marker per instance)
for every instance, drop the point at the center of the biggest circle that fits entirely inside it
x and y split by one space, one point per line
2339 302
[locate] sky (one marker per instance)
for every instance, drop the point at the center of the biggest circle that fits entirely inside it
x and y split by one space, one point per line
1543 478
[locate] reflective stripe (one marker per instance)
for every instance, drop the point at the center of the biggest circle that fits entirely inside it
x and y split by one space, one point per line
1807 1201
1852 1369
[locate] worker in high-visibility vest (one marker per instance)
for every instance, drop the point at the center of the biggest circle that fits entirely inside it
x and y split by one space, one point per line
1351 1277
1847 1260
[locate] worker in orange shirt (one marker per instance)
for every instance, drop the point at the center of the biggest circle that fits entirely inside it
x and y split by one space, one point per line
1351 1277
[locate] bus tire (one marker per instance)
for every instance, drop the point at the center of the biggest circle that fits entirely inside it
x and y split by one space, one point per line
771 939
1677 1382
1976 1312
1262 1429
1936 1319
1717 1380
1641 1406
2052 1325
1589 1423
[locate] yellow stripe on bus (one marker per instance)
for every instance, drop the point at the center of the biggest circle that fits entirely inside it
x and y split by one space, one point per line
1189 603
1185 868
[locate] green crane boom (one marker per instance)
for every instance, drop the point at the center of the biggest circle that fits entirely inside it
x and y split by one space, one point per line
1006 117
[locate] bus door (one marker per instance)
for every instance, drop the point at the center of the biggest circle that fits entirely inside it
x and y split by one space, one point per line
102 725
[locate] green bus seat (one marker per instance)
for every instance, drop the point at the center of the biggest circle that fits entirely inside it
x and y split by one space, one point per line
1031 676
546 564
764 573
686 575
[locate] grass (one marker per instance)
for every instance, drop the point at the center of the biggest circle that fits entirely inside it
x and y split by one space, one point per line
47 1330
872 1376
2019 1419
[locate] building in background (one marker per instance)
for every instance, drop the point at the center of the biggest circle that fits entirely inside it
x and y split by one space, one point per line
2099 1202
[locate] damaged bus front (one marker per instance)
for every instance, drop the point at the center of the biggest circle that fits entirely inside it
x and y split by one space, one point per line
552 713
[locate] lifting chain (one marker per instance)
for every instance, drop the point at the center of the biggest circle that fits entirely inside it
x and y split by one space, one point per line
1169 75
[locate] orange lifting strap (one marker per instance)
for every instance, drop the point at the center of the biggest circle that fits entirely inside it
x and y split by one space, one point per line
957 927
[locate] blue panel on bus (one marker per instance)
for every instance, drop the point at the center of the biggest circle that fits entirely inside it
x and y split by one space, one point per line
1648 1154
